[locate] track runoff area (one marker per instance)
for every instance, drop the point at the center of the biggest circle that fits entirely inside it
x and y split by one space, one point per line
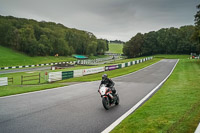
78 108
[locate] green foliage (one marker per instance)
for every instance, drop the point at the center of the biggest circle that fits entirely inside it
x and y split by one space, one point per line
101 46
197 16
133 47
196 35
165 41
47 38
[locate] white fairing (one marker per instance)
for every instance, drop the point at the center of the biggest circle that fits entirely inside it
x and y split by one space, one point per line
102 90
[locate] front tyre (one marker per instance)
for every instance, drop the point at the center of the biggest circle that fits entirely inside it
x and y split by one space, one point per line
105 103
117 100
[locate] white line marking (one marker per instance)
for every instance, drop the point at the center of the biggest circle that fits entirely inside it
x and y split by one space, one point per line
120 119
198 129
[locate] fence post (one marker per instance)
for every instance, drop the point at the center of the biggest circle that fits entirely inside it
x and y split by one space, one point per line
39 78
10 80
21 79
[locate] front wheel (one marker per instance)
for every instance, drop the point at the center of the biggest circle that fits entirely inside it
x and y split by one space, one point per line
117 100
105 103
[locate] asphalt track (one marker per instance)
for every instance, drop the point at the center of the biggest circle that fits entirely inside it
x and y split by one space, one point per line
24 70
43 68
77 108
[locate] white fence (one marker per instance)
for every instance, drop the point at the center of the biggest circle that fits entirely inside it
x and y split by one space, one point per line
93 70
123 65
55 76
78 73
3 81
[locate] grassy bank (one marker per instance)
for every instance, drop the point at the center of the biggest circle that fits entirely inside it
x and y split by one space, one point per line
115 48
174 108
9 57
17 88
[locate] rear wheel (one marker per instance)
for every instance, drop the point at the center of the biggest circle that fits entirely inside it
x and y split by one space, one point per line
105 103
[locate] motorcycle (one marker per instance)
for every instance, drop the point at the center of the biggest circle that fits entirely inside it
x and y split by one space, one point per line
108 99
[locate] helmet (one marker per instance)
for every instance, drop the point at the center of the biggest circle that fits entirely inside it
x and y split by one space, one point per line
104 77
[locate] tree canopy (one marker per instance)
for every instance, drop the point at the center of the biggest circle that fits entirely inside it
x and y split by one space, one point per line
196 35
183 40
47 38
164 41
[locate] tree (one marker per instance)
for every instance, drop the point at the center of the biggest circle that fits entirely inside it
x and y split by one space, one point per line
101 46
27 38
92 48
185 45
47 47
196 35
197 17
135 46
150 45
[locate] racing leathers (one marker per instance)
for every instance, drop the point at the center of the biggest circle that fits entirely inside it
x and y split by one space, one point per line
109 83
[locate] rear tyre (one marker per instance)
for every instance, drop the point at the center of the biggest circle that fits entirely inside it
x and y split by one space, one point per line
105 103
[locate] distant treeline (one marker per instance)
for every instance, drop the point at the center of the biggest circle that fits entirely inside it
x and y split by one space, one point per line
165 41
183 40
47 38
116 41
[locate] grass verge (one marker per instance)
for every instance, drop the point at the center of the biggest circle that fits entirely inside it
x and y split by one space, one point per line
174 108
166 56
17 88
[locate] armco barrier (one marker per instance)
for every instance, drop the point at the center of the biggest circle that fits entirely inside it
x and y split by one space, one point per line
123 65
93 70
67 74
55 76
26 66
107 68
119 66
47 64
129 63
3 81
113 67
126 64
78 73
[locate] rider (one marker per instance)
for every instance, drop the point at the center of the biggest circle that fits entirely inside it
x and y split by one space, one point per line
108 82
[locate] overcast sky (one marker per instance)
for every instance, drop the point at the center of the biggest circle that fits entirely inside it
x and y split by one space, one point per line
108 19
